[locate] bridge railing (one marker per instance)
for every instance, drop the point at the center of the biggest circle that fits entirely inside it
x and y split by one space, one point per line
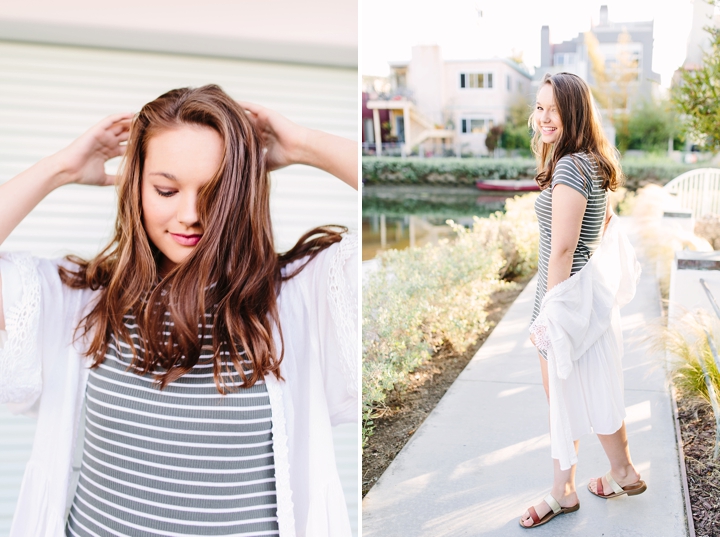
697 190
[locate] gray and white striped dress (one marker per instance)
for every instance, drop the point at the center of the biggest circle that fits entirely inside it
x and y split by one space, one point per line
180 461
578 171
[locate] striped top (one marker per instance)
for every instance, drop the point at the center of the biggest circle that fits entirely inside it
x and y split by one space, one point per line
574 171
184 460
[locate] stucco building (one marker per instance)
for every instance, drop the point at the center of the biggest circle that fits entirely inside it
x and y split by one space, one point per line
629 43
447 106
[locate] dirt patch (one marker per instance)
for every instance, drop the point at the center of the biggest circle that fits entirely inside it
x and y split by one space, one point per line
408 408
697 428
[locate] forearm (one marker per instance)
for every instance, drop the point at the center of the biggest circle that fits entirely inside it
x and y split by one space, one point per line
23 192
559 267
333 154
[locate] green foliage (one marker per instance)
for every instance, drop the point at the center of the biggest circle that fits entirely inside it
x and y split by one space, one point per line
687 345
465 171
422 298
492 139
443 171
697 96
648 127
516 133
516 137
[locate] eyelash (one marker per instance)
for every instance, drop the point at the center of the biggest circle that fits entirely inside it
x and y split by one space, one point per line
165 193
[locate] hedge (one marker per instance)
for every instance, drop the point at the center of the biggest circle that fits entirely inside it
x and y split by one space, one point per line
464 172
420 298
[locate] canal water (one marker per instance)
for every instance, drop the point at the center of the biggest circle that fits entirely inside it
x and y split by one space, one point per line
402 216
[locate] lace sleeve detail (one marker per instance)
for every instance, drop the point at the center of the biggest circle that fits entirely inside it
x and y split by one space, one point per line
538 329
343 308
20 366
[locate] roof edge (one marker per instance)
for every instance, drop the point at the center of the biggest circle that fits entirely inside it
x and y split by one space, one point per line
178 43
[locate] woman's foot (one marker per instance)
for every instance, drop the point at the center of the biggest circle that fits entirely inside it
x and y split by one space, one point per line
623 477
542 509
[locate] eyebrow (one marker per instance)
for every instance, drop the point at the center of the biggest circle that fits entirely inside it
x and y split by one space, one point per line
165 174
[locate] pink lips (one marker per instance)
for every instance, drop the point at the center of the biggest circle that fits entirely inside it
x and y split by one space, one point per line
186 240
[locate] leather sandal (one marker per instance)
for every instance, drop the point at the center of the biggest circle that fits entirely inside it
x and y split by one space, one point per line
631 490
555 511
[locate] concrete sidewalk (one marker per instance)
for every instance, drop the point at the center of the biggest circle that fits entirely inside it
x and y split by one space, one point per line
483 455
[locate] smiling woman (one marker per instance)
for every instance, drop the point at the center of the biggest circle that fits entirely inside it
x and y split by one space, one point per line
203 344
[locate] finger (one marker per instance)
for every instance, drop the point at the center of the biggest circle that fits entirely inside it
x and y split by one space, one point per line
110 179
119 151
115 118
251 107
120 127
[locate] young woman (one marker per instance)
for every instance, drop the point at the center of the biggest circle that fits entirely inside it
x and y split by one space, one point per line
205 369
586 271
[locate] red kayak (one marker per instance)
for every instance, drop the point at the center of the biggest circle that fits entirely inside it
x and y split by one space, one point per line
508 185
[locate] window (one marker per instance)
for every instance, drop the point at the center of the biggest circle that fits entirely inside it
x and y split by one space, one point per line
564 59
476 80
509 83
475 125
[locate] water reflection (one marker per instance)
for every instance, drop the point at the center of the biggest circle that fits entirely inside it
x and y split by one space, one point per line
402 216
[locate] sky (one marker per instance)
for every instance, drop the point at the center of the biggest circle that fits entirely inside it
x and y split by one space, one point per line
389 28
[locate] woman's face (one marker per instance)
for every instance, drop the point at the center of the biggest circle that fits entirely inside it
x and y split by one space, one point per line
179 162
547 116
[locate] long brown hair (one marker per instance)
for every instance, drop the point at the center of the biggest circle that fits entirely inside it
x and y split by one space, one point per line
581 132
234 271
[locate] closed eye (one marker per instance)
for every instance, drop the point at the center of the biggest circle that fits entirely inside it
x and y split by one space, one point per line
165 193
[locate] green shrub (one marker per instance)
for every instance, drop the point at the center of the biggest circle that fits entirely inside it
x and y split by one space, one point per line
443 171
687 345
421 298
466 171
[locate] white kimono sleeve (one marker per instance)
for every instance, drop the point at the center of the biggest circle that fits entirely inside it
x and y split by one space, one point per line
333 280
20 361
40 313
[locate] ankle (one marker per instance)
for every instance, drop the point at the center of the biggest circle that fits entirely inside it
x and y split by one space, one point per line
563 491
623 472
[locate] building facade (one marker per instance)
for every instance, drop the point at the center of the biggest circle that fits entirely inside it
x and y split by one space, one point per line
446 107
627 46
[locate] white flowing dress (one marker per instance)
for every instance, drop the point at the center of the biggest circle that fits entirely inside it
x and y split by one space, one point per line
579 327
43 371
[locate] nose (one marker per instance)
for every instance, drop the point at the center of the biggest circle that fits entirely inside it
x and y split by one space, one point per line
187 213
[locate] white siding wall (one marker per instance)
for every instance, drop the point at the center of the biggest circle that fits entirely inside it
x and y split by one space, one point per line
49 95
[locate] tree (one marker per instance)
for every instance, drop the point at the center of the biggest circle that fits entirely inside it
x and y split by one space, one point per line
614 83
493 137
697 95
648 126
516 134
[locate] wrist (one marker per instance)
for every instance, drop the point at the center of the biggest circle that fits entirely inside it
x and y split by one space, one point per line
306 148
56 170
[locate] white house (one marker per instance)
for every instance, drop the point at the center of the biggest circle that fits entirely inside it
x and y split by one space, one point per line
454 101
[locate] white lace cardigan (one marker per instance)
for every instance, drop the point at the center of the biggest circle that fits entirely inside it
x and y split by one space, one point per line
579 326
42 372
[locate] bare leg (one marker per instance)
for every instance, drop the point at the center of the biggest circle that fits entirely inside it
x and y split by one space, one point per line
563 489
621 466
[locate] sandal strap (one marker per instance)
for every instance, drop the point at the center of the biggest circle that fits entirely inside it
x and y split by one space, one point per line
617 489
534 516
552 502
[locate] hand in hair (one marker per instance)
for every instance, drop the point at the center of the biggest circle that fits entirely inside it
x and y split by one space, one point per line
83 161
288 143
